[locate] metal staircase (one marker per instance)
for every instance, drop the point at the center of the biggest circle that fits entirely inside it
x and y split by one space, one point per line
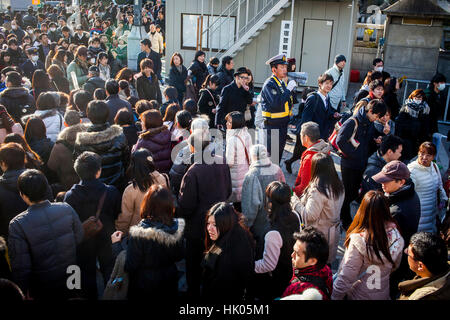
266 12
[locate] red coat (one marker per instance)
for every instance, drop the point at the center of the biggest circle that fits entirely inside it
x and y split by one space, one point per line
304 173
299 282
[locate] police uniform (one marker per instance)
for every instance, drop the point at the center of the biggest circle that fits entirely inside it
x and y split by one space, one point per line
276 105
28 67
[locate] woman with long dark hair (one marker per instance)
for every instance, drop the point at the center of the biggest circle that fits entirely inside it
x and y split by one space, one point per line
321 202
36 136
40 83
57 79
228 262
128 75
142 175
60 59
209 98
177 75
373 244
391 86
154 246
7 124
275 268
32 159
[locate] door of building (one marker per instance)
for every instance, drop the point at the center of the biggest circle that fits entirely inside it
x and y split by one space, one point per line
316 45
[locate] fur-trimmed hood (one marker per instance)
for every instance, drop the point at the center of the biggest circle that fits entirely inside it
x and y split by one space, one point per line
69 134
96 137
162 235
147 134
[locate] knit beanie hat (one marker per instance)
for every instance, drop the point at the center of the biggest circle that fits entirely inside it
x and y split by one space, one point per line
259 152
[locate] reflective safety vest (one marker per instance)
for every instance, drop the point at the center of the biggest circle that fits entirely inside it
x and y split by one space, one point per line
270 111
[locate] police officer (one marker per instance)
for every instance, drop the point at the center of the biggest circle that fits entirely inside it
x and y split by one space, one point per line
32 63
276 104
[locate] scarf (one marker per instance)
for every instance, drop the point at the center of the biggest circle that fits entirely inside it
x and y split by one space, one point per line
179 68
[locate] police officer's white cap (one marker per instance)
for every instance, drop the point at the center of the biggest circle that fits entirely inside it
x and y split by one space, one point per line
278 59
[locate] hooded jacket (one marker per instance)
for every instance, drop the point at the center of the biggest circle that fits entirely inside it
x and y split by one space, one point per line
158 142
53 120
236 157
18 102
304 172
375 163
260 174
108 142
153 249
61 157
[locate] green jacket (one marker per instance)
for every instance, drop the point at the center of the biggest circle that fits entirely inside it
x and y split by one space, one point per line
121 53
80 72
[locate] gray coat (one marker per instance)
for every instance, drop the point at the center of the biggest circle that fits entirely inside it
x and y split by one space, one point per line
259 176
42 244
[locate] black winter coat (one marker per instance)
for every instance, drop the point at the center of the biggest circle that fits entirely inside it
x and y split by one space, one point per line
232 99
43 148
148 90
84 198
94 83
391 101
199 73
115 103
110 143
29 68
177 79
225 77
156 59
18 102
202 186
404 205
11 204
17 56
42 245
228 267
208 101
356 158
153 249
374 165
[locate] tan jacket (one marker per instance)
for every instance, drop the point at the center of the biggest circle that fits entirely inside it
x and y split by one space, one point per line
157 42
131 204
426 288
361 277
322 213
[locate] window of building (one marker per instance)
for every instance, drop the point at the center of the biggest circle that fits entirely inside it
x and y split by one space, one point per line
221 34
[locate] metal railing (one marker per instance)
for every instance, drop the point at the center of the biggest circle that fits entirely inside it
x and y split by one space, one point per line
422 84
234 10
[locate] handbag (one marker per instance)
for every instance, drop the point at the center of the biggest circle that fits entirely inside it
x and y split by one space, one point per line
92 225
117 286
333 137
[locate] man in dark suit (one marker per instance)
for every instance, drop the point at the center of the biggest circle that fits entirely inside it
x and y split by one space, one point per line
80 37
318 108
32 64
147 52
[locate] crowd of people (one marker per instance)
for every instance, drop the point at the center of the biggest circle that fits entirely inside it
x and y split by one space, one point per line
104 171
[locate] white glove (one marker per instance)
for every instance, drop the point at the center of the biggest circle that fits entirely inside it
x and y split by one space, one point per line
291 85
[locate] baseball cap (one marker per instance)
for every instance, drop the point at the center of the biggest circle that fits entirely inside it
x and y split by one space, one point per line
394 170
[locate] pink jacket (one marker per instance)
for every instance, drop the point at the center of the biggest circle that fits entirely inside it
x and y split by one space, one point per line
359 278
16 128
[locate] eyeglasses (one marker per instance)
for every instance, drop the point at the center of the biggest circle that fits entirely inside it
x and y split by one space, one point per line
406 251
244 78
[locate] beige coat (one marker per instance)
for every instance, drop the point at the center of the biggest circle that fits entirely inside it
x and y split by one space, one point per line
362 278
131 204
323 213
157 42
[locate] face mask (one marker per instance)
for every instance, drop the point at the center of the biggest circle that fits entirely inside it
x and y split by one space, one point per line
379 69
441 86
53 29
417 101
92 60
13 26
35 58
30 31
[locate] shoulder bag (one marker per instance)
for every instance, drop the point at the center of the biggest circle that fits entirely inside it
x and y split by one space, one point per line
92 225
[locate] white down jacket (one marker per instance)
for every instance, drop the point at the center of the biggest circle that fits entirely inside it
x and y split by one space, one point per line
237 160
53 120
427 182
